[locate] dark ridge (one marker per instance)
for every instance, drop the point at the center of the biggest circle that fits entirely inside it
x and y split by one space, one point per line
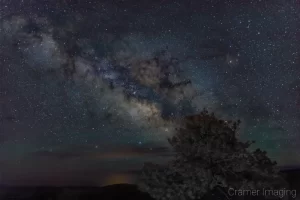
111 192
289 169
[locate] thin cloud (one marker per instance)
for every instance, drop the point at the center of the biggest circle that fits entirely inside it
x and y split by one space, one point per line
116 153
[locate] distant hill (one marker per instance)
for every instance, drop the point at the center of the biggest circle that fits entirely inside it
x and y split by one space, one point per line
292 176
111 192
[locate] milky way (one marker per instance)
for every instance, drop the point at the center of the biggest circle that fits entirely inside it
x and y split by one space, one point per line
88 89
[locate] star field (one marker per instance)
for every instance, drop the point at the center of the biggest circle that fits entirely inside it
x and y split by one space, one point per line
81 93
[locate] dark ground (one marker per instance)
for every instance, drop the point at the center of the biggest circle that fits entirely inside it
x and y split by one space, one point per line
120 191
112 192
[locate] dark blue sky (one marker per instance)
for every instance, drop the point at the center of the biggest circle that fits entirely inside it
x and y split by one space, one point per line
71 114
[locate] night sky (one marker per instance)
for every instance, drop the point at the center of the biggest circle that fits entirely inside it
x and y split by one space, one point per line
81 94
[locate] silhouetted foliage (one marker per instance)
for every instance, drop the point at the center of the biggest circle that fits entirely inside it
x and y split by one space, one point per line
209 156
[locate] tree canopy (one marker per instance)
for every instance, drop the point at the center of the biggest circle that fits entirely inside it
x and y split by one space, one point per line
208 155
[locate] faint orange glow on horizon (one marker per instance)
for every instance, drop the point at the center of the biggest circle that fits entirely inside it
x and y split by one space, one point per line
119 178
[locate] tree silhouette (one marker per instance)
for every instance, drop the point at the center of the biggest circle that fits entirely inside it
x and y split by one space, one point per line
208 156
